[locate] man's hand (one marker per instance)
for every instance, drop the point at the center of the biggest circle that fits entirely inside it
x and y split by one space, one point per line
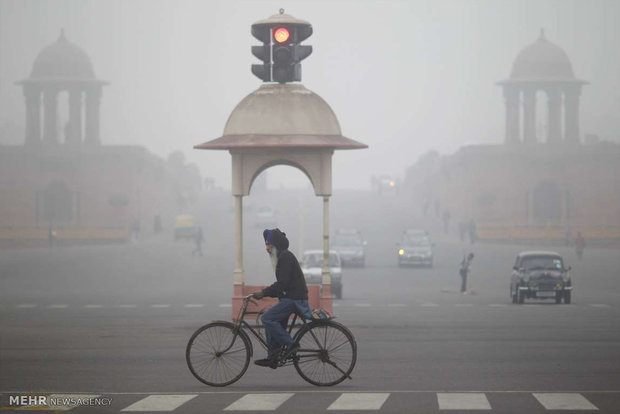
258 295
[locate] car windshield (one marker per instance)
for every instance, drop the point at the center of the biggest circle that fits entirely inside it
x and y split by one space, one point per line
416 240
316 260
542 262
347 240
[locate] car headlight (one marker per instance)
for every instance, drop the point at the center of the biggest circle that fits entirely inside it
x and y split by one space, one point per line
401 252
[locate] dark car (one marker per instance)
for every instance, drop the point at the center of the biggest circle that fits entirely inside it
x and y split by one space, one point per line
349 243
415 249
540 275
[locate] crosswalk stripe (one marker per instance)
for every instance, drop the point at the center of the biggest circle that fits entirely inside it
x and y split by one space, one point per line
26 306
359 401
258 402
160 403
463 401
564 401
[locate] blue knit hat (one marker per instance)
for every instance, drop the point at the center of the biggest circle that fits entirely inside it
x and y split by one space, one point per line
268 236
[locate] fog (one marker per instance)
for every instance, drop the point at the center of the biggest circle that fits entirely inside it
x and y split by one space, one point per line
403 77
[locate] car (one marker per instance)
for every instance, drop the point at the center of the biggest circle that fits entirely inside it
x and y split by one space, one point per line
540 275
415 249
312 266
265 217
349 244
184 227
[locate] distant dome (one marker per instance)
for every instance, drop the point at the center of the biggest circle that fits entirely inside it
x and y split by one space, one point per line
542 60
62 60
268 111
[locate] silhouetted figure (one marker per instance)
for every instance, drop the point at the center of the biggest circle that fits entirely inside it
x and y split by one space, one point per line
580 244
464 271
198 239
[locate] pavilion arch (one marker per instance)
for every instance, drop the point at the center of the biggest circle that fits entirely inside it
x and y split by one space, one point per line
279 163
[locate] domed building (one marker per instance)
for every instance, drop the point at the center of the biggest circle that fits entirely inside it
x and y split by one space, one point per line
70 183
530 187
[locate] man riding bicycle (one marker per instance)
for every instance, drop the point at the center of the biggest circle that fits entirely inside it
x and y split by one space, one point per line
291 290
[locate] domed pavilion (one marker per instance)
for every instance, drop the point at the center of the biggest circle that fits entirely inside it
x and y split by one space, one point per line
62 66
542 66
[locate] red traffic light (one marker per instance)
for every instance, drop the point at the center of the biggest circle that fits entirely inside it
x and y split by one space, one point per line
281 34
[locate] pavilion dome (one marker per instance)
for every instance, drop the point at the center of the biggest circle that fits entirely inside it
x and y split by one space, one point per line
542 60
282 109
62 60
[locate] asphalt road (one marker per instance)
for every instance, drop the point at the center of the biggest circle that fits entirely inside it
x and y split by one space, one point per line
113 321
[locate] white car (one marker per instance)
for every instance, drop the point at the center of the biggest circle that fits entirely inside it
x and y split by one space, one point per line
312 266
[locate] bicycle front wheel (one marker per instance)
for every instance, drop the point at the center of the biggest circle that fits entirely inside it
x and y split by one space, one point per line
327 353
216 356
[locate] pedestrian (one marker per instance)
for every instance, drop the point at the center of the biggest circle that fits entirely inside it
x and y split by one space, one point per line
291 290
580 244
198 239
464 271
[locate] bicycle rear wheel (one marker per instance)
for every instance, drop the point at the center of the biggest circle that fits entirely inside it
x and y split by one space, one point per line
327 353
216 356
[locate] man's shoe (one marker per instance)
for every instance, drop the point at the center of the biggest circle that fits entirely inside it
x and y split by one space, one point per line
267 362
290 351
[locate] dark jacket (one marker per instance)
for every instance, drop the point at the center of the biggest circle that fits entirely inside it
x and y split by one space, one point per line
290 282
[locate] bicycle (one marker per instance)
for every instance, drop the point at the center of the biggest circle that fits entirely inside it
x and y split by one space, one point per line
218 354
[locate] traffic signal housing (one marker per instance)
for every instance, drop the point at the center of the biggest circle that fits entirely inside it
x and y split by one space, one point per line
281 52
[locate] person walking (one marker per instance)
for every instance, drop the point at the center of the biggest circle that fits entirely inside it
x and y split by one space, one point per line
198 239
291 290
580 244
464 271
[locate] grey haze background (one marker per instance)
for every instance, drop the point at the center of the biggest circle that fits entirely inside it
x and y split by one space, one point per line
402 76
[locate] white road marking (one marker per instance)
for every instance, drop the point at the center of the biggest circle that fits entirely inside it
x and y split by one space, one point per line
258 402
359 401
160 402
26 306
58 306
225 305
429 305
194 305
463 401
93 306
564 401
160 306
599 305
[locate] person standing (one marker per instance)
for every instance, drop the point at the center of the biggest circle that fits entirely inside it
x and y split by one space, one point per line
291 290
580 244
464 271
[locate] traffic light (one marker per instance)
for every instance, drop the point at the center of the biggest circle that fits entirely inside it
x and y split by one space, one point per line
281 52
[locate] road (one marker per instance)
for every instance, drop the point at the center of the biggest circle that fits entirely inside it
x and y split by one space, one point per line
113 321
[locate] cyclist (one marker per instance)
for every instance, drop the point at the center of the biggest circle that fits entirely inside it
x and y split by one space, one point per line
291 290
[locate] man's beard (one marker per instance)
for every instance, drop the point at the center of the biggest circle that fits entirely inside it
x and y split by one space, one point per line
273 255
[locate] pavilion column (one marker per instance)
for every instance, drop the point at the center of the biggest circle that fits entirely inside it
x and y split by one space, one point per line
75 117
529 116
33 116
326 295
511 96
50 123
93 99
238 277
571 115
554 105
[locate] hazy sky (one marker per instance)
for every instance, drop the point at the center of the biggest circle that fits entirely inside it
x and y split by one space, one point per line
402 76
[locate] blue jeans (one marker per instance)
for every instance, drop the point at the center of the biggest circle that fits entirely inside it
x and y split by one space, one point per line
276 320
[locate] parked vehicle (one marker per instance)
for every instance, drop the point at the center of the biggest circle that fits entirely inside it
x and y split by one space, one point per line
350 246
415 249
540 275
312 266
184 227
